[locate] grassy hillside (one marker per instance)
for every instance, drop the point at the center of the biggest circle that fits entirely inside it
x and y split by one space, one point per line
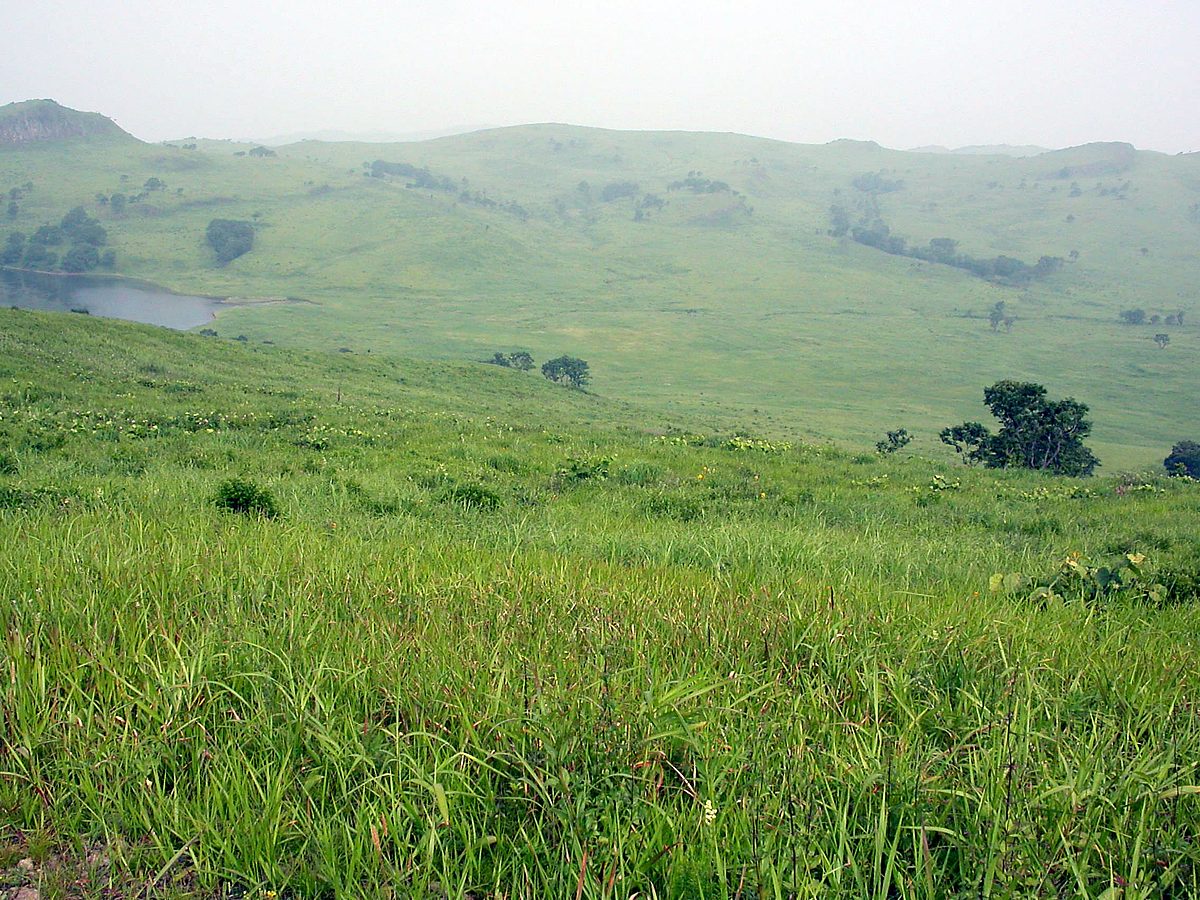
736 305
500 641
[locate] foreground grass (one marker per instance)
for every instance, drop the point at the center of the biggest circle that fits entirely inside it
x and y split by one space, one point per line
499 644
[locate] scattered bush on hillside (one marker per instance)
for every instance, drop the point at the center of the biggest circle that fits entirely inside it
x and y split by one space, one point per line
1035 433
1184 460
230 239
893 442
521 360
617 190
877 183
1133 316
239 495
418 177
567 370
699 186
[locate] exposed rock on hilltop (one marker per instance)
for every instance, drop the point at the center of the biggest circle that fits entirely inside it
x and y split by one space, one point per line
35 121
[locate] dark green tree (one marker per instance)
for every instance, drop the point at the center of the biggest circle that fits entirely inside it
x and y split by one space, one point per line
230 239
567 370
1184 459
893 442
1035 433
81 258
117 203
1133 316
47 236
14 249
1162 339
13 209
521 360
38 257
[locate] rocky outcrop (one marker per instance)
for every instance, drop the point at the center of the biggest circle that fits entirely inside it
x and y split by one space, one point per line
37 121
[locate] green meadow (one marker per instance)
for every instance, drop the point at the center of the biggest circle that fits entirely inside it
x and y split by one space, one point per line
491 637
733 307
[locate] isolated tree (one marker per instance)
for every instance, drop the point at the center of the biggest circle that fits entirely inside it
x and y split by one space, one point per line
230 239
1133 316
1184 459
567 370
521 360
117 203
893 442
1162 340
1035 433
996 315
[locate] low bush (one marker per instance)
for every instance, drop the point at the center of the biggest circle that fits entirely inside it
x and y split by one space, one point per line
238 495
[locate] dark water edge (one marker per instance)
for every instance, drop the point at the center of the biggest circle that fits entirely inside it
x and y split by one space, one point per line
112 298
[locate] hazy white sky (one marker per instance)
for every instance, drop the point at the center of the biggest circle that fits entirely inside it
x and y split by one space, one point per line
953 72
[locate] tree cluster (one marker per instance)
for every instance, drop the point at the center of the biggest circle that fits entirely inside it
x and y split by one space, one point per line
567 370
617 190
699 186
520 360
82 235
1035 433
877 183
229 239
1139 316
944 251
418 177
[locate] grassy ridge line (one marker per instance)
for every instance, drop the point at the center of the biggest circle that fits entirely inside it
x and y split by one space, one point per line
765 321
464 657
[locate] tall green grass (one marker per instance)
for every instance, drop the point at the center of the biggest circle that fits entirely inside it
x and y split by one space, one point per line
710 673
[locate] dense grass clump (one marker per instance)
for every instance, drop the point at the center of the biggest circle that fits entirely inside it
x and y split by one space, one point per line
239 495
730 668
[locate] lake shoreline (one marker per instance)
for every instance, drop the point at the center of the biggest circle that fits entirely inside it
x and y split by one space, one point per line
135 281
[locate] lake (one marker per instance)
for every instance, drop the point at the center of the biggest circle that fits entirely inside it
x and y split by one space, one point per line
113 298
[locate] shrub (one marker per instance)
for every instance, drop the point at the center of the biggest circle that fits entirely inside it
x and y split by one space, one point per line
239 495
893 442
471 496
1184 459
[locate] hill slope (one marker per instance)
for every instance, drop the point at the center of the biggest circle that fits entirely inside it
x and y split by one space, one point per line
493 633
695 272
37 121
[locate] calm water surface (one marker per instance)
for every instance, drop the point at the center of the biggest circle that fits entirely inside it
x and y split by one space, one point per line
137 301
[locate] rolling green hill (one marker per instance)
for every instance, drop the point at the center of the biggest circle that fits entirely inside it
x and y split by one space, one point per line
492 636
723 298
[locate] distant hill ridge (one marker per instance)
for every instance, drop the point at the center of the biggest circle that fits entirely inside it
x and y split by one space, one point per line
37 121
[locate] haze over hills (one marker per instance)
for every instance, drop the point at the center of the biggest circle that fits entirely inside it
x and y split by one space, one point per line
986 150
789 289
